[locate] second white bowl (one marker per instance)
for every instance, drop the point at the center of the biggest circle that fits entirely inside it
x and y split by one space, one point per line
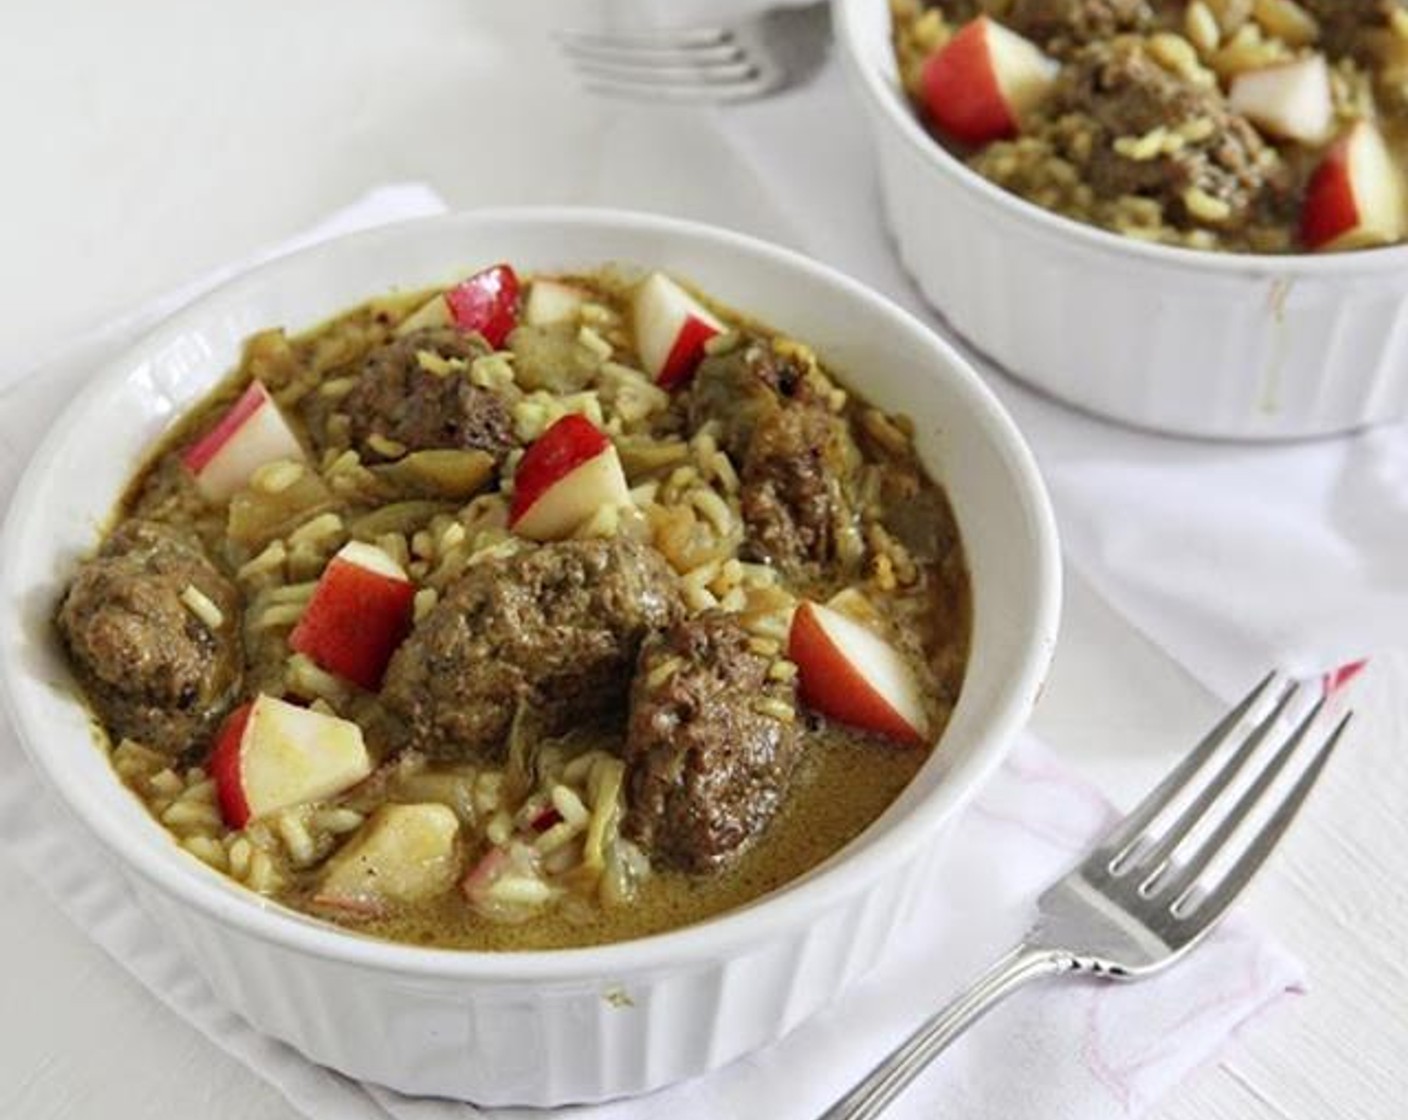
1182 341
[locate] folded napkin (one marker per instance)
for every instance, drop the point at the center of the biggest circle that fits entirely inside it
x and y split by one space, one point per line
1084 1050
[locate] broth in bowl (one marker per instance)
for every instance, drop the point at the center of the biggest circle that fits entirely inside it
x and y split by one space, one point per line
535 612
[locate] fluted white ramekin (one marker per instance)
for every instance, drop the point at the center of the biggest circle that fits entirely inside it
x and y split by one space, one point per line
538 1028
1183 341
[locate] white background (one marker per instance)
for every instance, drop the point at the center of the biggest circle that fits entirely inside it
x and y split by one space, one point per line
149 141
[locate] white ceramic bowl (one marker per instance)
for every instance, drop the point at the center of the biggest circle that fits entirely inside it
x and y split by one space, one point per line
539 1028
1183 341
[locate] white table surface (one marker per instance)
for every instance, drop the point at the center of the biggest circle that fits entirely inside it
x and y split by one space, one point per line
149 141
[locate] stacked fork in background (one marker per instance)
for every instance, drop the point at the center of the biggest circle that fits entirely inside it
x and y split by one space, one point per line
756 56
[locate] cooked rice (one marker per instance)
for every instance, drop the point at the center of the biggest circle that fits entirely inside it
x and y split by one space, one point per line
200 604
1201 27
276 477
594 342
303 677
336 388
318 531
267 563
386 448
278 615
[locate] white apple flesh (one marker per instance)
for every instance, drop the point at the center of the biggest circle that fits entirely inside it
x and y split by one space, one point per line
977 87
568 473
250 434
671 328
578 494
1355 198
370 558
1024 73
551 301
848 673
285 755
403 855
1290 100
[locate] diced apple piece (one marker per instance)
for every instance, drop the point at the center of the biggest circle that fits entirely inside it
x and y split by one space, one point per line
850 674
671 329
979 84
569 472
271 754
403 855
487 302
1291 99
1355 198
225 767
551 301
253 432
359 613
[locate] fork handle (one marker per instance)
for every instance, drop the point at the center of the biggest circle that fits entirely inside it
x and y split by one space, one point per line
888 1079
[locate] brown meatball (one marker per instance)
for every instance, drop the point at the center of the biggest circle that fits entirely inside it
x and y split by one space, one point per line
400 397
707 765
1058 24
154 671
742 387
796 459
795 484
1128 94
555 630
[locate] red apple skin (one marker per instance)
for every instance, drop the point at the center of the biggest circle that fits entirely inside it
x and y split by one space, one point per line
487 302
558 451
195 457
354 622
960 89
686 353
224 767
827 683
1330 209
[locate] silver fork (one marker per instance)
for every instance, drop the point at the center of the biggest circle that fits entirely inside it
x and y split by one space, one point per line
1143 897
749 58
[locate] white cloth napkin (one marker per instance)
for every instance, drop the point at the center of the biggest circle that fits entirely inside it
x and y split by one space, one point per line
1072 1050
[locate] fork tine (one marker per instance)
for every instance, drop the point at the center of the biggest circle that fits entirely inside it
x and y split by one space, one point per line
1210 907
1185 881
653 56
740 71
1117 844
676 39
1157 857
